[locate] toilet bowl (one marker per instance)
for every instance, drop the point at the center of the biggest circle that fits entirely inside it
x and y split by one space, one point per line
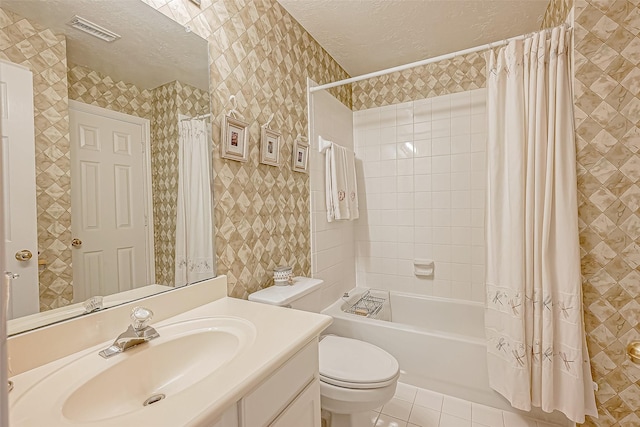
355 376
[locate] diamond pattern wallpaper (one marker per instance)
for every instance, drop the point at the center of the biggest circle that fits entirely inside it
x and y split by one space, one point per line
95 88
557 13
262 56
44 53
441 78
607 117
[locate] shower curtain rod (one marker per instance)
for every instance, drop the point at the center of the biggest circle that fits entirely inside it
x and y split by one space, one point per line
426 61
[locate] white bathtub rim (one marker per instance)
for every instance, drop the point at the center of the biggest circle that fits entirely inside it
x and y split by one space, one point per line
362 289
335 311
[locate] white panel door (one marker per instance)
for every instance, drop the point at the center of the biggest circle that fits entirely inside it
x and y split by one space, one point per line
19 186
107 202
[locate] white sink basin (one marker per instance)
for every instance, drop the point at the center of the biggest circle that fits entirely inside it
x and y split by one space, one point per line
95 389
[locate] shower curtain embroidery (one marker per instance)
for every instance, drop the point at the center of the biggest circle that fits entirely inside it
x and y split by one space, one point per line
565 307
195 266
518 354
515 303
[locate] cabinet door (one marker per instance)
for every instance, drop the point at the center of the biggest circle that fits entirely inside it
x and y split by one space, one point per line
304 411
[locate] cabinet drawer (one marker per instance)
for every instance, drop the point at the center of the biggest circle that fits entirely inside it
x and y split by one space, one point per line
269 399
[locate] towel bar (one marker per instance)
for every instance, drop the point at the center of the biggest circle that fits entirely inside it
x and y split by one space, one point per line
323 144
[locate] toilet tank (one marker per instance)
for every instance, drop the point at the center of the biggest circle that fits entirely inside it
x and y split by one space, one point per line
304 294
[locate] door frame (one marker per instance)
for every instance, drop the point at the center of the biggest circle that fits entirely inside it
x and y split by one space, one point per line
146 165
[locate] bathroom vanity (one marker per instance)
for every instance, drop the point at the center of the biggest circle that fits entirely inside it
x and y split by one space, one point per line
224 363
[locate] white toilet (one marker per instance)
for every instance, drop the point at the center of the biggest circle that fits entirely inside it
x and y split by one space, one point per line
355 376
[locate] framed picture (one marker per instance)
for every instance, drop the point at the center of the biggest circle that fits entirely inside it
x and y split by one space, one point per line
235 139
300 155
269 147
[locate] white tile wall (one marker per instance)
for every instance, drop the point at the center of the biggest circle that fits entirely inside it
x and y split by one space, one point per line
332 244
422 191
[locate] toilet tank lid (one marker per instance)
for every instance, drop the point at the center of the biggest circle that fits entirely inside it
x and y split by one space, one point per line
285 295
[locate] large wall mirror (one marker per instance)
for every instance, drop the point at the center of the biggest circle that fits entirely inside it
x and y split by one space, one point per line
120 93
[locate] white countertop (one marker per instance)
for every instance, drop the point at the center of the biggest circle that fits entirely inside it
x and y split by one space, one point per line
280 333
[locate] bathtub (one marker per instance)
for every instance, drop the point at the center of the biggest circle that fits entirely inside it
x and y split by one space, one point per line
438 342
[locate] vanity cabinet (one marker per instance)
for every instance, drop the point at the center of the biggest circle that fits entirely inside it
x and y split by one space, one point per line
289 397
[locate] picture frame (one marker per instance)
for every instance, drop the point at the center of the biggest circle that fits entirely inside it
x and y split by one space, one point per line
235 139
300 155
270 147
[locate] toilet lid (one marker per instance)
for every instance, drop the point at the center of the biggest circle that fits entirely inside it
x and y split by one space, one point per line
351 363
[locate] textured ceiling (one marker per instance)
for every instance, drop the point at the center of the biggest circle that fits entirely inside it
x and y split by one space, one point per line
370 35
153 50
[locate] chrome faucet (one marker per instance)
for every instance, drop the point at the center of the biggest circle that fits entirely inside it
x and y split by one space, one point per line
137 333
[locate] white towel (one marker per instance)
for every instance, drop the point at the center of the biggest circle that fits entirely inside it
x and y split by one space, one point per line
342 188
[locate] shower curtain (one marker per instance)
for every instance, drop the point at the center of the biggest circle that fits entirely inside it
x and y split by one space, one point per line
536 343
194 228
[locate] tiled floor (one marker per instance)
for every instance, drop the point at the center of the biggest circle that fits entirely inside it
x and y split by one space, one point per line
412 406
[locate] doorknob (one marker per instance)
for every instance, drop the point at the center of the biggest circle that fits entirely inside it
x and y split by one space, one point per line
633 351
24 255
76 243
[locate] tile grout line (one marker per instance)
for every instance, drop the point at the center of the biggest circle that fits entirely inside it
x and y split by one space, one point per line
412 405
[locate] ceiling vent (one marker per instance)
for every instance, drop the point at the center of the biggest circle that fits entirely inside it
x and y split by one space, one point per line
93 29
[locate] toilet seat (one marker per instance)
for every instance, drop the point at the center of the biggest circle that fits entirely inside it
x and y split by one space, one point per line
361 386
355 364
